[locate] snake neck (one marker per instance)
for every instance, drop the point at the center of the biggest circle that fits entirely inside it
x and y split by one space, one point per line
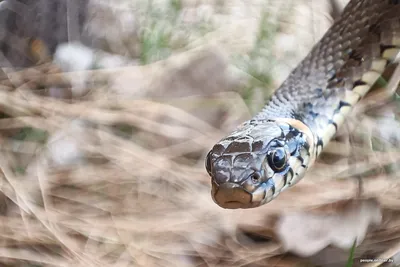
339 71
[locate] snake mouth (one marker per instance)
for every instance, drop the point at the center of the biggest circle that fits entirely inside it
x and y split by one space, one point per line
233 196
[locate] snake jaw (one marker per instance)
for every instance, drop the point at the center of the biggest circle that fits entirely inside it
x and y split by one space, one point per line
230 196
234 196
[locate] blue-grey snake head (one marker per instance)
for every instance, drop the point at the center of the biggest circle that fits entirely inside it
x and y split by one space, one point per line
255 163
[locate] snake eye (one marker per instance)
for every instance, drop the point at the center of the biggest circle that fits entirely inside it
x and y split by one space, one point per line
208 163
277 159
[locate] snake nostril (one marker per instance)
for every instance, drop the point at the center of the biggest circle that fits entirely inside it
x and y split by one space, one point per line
255 177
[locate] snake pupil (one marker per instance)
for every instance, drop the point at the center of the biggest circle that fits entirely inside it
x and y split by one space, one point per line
277 159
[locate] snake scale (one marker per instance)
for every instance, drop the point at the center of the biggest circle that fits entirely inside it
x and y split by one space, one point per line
272 151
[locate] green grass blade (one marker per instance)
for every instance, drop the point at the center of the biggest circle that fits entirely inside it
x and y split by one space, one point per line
350 261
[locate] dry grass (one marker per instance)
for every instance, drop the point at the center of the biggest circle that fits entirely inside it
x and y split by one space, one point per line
143 197
100 180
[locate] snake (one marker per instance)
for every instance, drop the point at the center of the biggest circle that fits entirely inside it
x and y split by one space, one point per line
273 151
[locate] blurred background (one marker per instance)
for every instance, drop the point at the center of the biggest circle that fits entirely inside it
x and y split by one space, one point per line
108 108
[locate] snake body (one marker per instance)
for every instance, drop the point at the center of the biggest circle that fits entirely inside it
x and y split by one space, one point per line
272 151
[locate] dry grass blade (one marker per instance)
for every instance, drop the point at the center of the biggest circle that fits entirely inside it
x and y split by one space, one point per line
387 255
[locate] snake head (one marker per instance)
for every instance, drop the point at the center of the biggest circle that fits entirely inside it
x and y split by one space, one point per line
255 163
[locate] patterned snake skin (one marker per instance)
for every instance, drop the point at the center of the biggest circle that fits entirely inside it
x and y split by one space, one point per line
272 151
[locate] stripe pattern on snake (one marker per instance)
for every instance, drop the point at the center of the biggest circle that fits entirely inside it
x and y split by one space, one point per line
273 150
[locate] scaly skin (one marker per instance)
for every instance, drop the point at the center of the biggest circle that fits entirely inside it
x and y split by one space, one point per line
273 151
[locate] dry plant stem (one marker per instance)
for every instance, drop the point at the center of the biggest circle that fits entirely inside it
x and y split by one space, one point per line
14 123
352 160
95 76
155 108
24 147
6 86
25 203
103 75
182 148
23 254
97 114
84 111
339 148
157 162
28 231
49 124
47 208
388 254
345 170
20 198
